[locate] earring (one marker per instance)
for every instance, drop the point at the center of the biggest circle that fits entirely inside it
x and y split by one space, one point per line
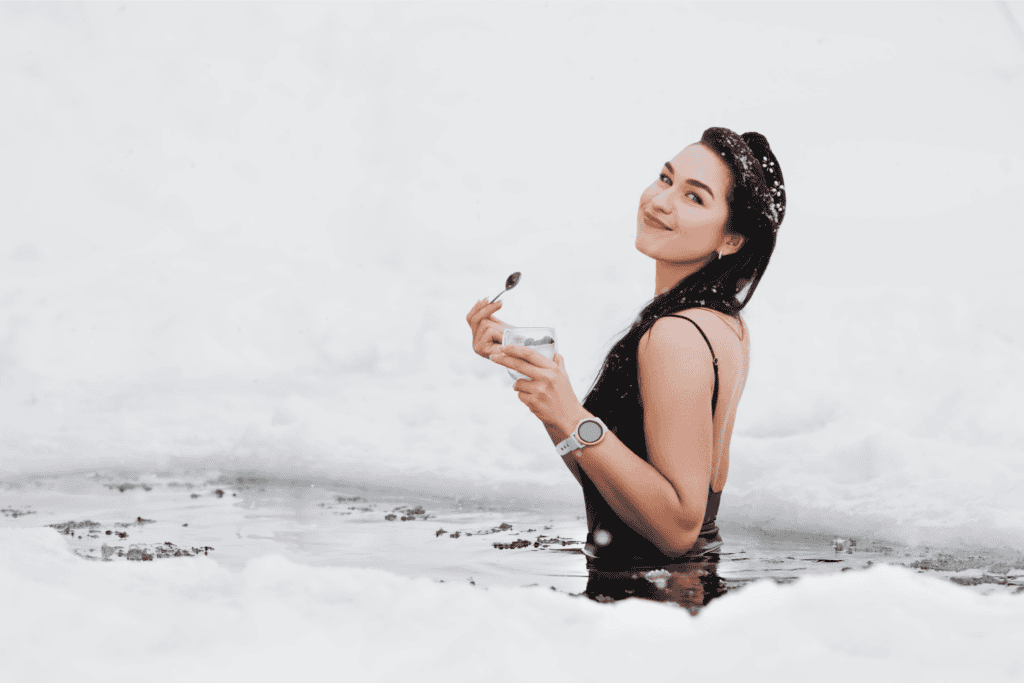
719 255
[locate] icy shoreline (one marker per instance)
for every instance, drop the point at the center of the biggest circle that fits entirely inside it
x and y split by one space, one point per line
269 599
169 621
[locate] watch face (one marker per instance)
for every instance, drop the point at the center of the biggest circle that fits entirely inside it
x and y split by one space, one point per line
590 431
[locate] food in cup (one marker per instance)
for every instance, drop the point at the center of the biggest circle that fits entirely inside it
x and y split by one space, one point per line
540 339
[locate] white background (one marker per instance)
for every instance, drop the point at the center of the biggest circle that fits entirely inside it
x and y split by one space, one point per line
246 236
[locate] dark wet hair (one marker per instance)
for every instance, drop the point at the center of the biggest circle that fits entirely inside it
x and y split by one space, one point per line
757 204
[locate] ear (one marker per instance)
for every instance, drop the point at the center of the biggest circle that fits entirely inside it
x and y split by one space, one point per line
732 244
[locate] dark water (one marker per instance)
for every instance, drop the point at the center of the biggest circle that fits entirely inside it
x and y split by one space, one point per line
171 517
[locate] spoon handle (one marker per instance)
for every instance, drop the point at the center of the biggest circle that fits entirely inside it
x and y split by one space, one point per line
499 294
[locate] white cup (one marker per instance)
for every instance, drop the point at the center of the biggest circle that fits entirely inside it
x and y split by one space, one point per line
540 339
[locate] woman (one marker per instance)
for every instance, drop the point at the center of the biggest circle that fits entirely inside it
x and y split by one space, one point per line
669 388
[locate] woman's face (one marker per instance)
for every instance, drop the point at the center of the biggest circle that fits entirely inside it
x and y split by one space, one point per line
682 215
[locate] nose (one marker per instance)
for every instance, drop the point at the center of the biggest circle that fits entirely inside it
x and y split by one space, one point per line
661 204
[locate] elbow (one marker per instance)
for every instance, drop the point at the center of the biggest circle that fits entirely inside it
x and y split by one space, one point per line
678 543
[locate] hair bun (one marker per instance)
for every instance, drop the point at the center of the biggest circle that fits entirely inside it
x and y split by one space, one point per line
758 144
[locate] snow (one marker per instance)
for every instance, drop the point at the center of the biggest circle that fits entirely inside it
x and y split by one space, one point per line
245 237
177 621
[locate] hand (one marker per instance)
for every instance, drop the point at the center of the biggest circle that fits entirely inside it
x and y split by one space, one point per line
487 330
548 394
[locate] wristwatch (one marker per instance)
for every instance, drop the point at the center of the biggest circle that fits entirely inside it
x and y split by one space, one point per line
589 431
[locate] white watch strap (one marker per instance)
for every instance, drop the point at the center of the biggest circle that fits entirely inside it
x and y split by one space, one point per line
569 445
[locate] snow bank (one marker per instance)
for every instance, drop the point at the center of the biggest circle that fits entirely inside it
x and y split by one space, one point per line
194 620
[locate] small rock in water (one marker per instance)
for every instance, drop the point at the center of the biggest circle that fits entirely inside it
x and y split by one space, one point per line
139 555
844 544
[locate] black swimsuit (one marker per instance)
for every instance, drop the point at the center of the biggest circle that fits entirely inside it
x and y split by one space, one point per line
612 545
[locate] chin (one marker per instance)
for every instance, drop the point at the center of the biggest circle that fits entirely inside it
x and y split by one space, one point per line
642 246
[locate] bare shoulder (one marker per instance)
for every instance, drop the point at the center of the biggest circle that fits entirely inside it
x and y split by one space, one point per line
728 336
672 332
674 345
676 378
712 321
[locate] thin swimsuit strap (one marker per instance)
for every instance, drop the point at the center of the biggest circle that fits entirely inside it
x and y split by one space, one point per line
714 396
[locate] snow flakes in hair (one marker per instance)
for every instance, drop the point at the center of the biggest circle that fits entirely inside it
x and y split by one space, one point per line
757 177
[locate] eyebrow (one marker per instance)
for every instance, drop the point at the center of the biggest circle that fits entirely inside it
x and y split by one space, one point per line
692 181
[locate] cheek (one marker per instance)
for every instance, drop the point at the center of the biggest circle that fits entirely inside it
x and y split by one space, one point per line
648 194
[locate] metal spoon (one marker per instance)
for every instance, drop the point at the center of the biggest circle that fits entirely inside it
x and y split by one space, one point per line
511 282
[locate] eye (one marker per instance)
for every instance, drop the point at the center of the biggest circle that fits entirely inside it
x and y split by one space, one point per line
664 178
696 196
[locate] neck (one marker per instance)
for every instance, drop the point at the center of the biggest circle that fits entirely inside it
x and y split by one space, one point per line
667 274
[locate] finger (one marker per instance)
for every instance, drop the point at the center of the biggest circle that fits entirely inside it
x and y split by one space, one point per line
491 308
492 333
497 331
513 363
527 354
483 312
472 312
527 385
488 334
479 304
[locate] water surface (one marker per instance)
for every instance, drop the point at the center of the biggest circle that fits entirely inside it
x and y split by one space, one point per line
110 516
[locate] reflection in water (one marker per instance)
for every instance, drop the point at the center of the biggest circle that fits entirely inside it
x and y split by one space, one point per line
689 584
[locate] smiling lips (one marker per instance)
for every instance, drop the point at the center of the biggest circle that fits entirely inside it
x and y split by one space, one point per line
649 219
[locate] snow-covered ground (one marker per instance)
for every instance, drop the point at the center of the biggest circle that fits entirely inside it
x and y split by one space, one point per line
65 618
245 237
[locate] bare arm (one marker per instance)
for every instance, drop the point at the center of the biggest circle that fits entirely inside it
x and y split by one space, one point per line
664 499
642 496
